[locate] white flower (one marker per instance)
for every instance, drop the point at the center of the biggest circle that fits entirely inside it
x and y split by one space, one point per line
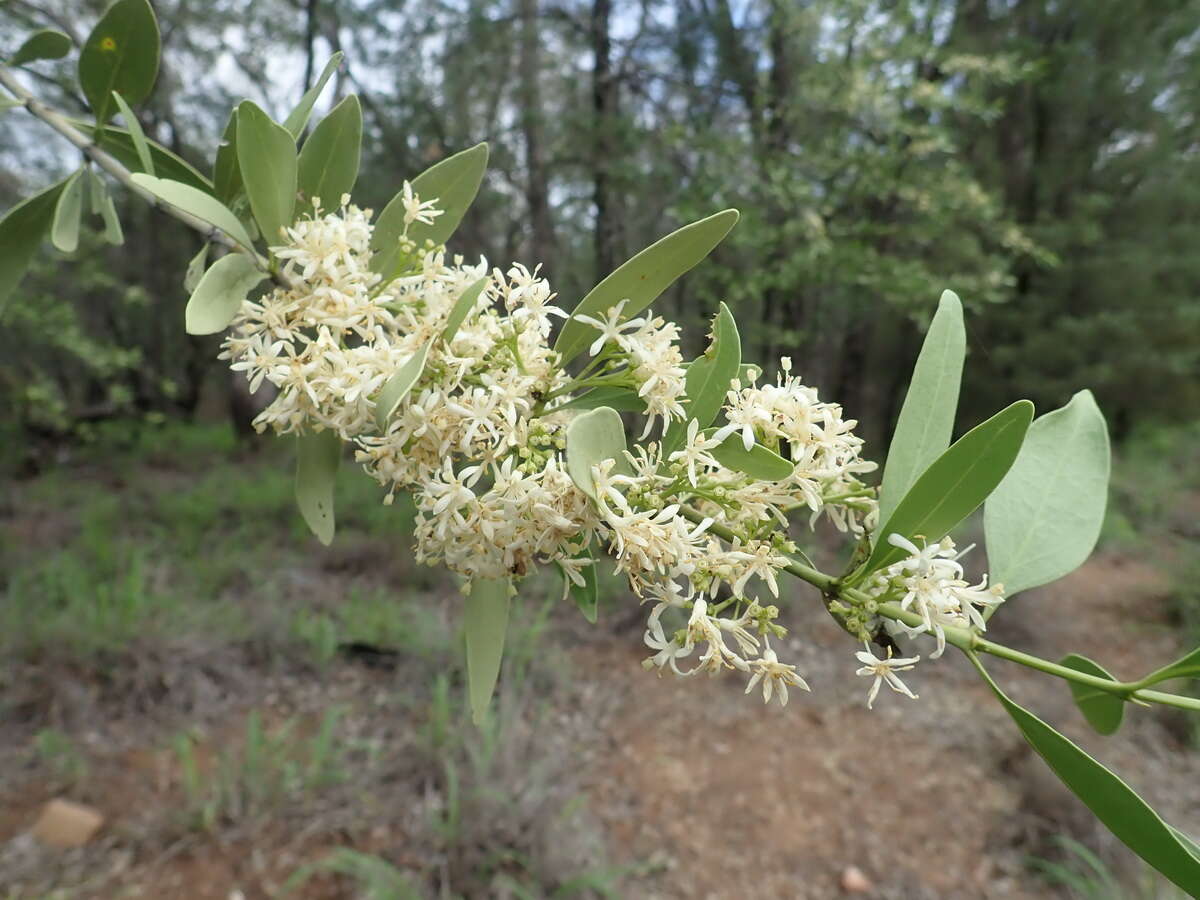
695 451
611 327
884 670
774 676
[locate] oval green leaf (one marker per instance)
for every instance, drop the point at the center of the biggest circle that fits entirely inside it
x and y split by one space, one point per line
195 269
44 44
486 611
621 399
398 386
227 177
103 206
759 462
198 203
956 483
298 117
453 183
135 134
328 164
64 232
22 231
267 157
220 293
121 54
462 308
1043 519
927 417
1102 710
1121 810
1187 667
318 454
640 280
593 437
119 143
707 380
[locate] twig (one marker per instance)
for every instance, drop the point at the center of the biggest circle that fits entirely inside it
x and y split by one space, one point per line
113 167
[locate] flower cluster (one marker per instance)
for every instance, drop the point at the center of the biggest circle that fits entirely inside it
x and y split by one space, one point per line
476 433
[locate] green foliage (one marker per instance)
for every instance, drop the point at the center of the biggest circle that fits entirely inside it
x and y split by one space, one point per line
486 624
298 118
121 55
22 231
197 202
592 438
1102 710
399 385
708 380
462 306
328 165
318 455
44 44
644 277
136 135
1043 520
956 484
758 462
453 183
927 417
619 398
1124 813
587 595
120 143
64 230
267 160
220 293
227 176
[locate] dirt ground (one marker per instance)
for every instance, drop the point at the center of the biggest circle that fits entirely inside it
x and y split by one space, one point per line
684 789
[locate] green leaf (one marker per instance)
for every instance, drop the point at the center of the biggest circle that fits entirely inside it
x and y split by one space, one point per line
398 386
593 437
121 54
758 462
44 44
64 232
329 161
956 483
318 454
453 183
102 205
1043 520
22 231
195 269
486 623
298 117
136 134
587 595
927 416
119 142
198 203
220 293
227 176
462 308
1187 667
707 380
1122 811
621 399
641 279
1102 710
267 157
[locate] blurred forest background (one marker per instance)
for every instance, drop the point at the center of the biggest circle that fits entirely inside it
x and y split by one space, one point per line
247 710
